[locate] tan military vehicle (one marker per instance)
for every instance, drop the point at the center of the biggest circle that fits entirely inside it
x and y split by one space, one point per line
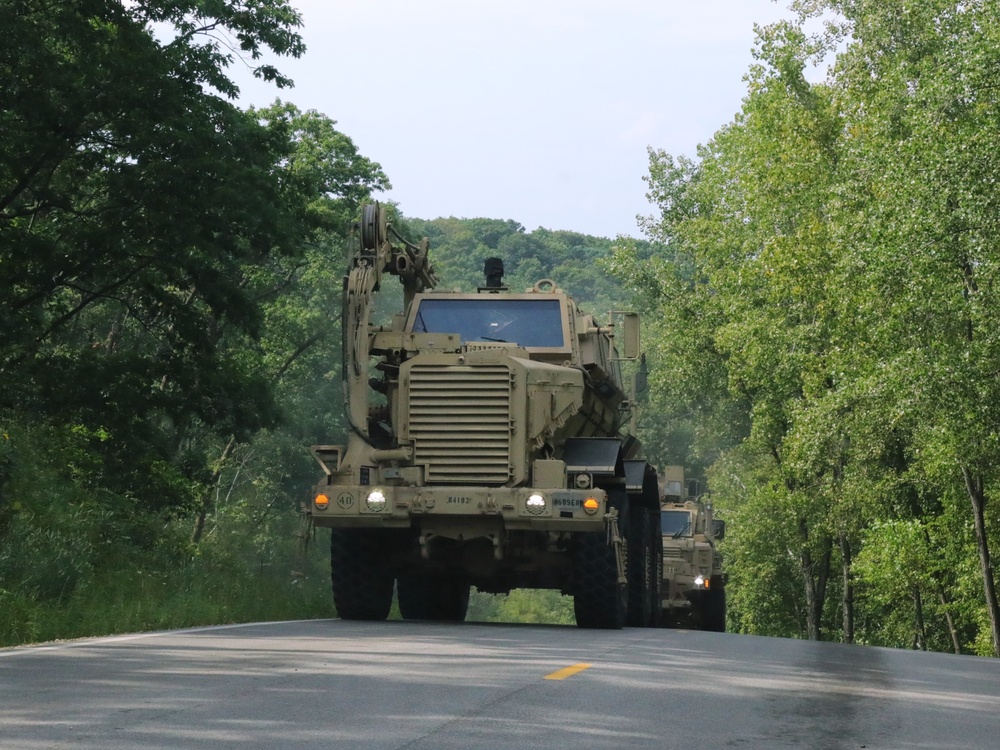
485 449
694 584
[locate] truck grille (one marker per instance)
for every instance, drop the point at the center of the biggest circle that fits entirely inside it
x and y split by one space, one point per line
459 421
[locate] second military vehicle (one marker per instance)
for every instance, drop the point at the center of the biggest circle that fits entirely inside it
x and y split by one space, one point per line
694 584
485 449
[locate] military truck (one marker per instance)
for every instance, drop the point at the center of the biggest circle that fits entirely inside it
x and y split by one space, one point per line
485 448
694 584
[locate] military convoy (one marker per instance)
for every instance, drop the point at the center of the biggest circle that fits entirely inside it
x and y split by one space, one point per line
693 593
486 448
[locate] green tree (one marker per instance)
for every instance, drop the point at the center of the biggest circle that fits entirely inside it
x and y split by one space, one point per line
169 286
916 86
572 260
131 200
830 256
748 246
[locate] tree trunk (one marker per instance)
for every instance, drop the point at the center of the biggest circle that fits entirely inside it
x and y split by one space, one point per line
919 631
812 625
823 576
805 561
946 608
848 588
974 486
814 579
206 501
939 588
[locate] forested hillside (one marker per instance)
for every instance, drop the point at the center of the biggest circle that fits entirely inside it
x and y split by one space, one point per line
570 259
819 286
826 320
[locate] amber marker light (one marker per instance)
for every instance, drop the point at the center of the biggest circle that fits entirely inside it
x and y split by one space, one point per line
591 505
321 501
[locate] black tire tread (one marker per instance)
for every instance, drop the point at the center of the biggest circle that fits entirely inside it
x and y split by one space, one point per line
714 610
359 575
640 569
599 601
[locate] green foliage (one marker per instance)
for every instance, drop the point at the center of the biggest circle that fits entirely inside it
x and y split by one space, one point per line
829 264
522 605
572 260
77 562
166 268
160 591
765 594
134 206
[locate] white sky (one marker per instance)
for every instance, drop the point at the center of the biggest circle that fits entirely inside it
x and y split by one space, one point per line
540 112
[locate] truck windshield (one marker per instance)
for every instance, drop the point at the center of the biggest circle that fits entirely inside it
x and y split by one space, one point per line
527 322
675 522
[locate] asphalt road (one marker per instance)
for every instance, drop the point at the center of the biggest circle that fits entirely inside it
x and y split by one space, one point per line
331 684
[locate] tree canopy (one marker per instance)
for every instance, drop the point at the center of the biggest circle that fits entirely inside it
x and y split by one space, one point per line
169 271
825 281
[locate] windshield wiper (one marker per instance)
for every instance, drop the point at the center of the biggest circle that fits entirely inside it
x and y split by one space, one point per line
683 528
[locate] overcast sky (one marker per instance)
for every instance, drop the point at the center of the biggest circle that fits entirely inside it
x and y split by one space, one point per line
537 111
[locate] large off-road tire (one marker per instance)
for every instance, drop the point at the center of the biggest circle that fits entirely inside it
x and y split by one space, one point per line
359 573
640 569
599 601
714 610
426 596
656 588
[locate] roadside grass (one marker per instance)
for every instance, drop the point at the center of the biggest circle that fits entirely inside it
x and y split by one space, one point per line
138 592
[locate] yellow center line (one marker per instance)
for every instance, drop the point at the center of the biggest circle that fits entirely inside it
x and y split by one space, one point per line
565 672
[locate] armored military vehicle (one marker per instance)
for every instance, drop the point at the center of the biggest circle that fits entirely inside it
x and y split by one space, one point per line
485 449
694 584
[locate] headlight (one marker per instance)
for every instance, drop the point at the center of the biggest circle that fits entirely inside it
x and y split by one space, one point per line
699 583
375 500
535 504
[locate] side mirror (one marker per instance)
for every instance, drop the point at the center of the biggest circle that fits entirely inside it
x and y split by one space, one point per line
718 529
629 339
693 488
630 345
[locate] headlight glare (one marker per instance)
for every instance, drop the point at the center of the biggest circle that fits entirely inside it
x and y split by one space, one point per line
375 500
535 503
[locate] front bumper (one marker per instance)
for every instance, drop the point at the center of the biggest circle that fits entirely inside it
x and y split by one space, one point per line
351 506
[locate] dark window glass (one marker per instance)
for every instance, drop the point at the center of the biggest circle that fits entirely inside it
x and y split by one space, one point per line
675 522
527 322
